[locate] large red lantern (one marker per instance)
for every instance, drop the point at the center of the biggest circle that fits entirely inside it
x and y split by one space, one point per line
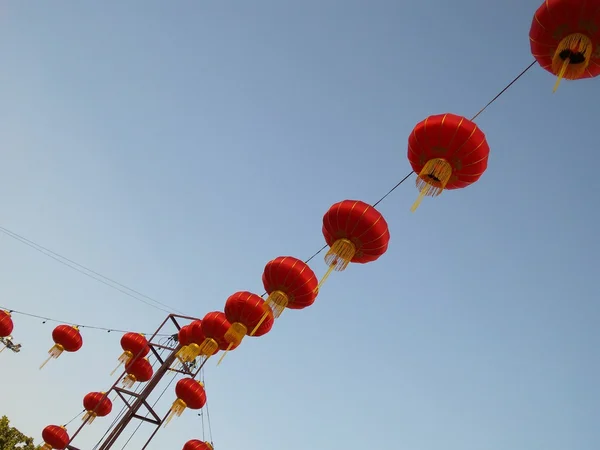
195 338
446 151
183 335
134 345
138 370
190 394
290 283
96 404
195 444
244 311
67 338
214 327
565 38
55 438
355 232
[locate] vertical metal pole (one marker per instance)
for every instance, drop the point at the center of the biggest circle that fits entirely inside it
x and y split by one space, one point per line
120 427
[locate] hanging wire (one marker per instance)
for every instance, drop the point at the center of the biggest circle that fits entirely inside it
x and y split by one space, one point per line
314 255
91 273
69 422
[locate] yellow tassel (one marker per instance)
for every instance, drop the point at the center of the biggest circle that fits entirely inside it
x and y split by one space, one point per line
432 180
276 303
46 447
54 352
208 347
129 381
88 417
571 58
176 410
337 258
236 333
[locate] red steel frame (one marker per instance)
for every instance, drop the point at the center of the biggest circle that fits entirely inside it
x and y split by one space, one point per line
140 399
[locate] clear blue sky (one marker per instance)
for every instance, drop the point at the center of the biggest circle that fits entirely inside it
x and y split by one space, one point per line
178 146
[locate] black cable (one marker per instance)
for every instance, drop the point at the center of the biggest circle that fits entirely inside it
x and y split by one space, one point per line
504 90
89 272
78 414
48 319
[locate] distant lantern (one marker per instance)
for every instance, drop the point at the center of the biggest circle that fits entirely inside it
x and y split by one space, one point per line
67 338
55 438
134 345
190 394
355 232
138 370
195 444
565 39
290 283
244 311
195 339
446 152
6 326
96 404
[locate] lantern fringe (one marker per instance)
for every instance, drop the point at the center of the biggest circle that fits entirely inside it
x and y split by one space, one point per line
208 347
88 417
176 410
338 257
125 357
276 303
432 180
129 381
46 446
571 58
234 335
54 352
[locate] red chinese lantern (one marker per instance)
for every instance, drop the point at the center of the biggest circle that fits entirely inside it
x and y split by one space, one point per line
55 438
565 38
66 339
134 345
290 283
96 404
190 394
244 311
195 444
182 336
138 370
214 327
446 151
195 337
6 324
355 232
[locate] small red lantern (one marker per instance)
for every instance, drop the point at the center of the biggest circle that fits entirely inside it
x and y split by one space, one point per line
190 394
182 336
195 444
244 311
195 337
134 345
290 283
355 232
6 324
138 370
55 438
446 151
66 338
96 404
